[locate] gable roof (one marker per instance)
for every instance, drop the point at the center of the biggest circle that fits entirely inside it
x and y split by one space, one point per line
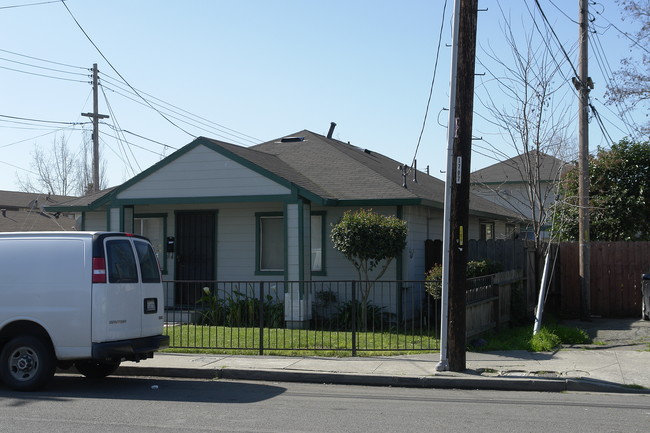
323 170
511 169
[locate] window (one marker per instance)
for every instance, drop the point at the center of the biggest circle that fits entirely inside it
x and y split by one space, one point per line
271 243
487 231
148 262
121 262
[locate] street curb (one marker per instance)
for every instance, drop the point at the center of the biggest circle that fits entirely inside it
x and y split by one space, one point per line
435 382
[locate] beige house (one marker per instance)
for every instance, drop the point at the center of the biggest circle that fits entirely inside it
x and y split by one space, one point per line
215 210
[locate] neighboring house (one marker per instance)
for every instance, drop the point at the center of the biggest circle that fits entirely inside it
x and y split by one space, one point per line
525 184
23 211
215 210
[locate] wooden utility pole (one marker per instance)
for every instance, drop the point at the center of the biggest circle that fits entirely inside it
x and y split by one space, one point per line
460 187
95 116
584 85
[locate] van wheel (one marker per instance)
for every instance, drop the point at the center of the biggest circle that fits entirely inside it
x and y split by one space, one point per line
96 369
26 363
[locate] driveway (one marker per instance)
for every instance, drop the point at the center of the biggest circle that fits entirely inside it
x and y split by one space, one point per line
619 334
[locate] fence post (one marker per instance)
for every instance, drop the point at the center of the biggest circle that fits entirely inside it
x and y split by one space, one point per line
354 318
261 308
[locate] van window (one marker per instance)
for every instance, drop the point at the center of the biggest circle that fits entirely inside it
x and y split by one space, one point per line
120 262
148 263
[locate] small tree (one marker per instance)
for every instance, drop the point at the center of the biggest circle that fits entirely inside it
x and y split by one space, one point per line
619 197
367 239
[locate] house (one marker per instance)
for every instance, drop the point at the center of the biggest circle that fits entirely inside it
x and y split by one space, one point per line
215 210
23 211
525 185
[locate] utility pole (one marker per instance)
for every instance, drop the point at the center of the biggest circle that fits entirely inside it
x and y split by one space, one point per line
95 116
460 187
584 85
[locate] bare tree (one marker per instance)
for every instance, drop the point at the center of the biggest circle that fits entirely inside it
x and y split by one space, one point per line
531 115
59 171
630 87
54 170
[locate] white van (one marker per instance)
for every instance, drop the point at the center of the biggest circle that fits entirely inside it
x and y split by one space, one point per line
88 299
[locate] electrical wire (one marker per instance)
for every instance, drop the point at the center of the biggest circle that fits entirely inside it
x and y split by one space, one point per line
42 75
126 159
118 73
29 4
211 127
43 60
433 80
42 67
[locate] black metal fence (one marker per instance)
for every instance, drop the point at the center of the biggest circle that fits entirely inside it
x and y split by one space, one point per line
327 316
321 316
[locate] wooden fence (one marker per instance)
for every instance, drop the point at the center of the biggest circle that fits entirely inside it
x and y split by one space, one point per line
489 302
616 270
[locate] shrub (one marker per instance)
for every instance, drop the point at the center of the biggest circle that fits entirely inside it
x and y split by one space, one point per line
433 278
433 282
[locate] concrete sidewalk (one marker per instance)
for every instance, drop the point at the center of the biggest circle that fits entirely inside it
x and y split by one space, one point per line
619 361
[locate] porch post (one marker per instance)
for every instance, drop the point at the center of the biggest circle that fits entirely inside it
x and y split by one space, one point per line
298 297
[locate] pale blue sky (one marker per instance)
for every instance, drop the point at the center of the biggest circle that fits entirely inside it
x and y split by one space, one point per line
262 68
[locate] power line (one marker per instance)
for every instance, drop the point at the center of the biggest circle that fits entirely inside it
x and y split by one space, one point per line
126 159
40 120
206 122
43 60
29 4
433 80
43 75
228 136
117 72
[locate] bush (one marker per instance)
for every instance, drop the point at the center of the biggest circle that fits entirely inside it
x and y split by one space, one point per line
433 278
433 282
482 267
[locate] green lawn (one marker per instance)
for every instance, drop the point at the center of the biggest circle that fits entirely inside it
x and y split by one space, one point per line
293 342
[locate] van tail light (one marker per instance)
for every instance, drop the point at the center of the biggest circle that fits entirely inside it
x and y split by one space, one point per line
99 270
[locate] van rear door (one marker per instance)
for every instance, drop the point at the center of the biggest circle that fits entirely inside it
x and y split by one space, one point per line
152 307
128 304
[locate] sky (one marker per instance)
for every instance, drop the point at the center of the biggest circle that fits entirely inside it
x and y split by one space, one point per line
250 71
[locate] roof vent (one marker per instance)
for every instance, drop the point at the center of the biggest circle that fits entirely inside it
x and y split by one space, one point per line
292 139
331 131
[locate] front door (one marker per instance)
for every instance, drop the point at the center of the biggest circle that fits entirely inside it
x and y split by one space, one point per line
195 255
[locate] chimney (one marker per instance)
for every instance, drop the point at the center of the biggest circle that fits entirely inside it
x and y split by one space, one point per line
331 131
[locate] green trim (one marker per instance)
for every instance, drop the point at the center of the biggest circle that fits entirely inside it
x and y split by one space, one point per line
164 216
301 242
83 221
123 227
323 271
206 200
387 202
258 252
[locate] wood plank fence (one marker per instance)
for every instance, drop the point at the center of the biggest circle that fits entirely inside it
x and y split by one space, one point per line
616 271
